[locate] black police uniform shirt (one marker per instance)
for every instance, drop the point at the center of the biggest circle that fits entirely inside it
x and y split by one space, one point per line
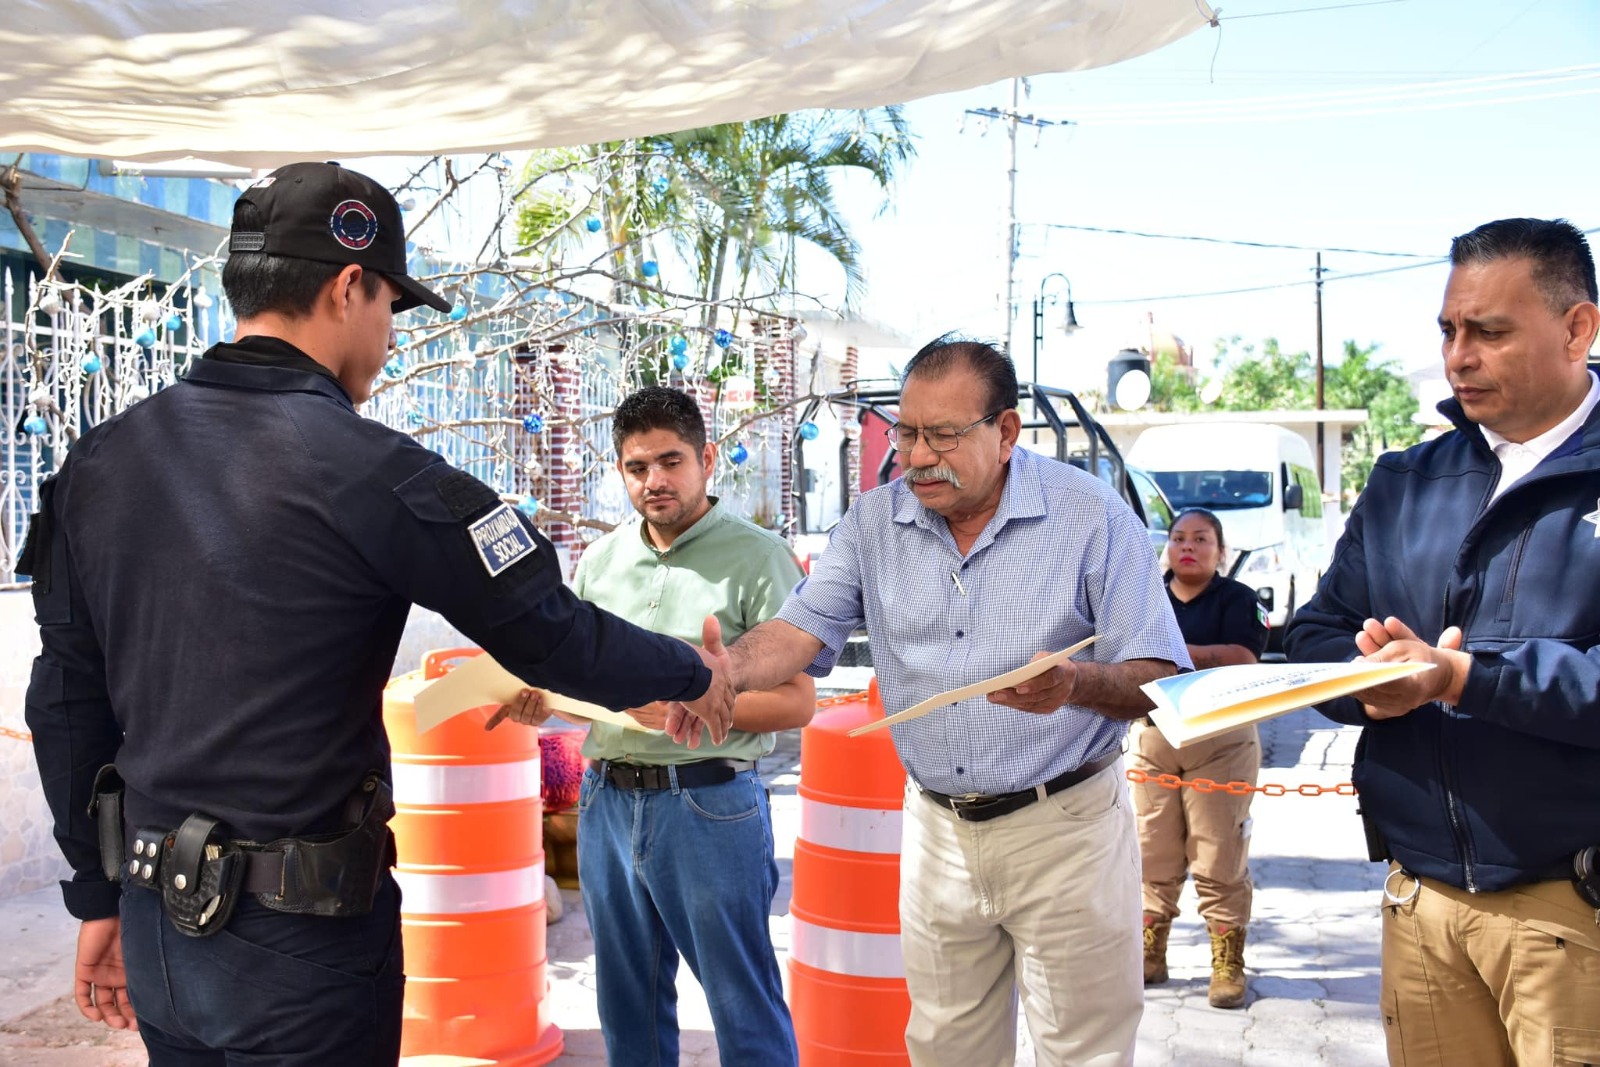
221 577
1226 612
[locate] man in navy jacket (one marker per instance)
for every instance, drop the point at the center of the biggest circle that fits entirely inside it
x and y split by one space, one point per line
221 576
1479 552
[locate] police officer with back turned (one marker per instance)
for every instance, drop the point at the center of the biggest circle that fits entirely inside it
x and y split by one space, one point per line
221 577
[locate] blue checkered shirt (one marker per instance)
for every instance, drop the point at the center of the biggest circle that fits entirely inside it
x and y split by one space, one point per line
1062 558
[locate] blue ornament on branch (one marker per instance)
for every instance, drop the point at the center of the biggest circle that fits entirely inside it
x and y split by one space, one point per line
680 361
528 505
723 338
458 312
415 417
738 454
533 423
394 368
174 323
679 344
808 430
35 426
592 224
649 268
661 183
146 338
91 364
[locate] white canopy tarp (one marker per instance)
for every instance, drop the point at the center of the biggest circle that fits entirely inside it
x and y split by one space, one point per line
261 82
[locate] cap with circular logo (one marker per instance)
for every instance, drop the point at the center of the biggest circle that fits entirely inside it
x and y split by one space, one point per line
331 214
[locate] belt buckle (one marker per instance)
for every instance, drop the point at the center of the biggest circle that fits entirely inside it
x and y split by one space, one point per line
970 802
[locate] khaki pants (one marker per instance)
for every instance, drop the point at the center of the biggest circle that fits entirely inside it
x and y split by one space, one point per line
1045 900
1489 979
1207 834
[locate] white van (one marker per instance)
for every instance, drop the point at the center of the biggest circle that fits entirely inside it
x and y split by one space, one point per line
1261 481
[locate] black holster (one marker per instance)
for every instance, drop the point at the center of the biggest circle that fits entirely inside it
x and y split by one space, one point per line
105 807
338 874
1377 845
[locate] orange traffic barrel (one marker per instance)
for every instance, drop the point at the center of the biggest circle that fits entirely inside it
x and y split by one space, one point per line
847 986
471 873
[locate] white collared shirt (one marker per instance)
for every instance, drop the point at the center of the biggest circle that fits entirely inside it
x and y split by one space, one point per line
1516 460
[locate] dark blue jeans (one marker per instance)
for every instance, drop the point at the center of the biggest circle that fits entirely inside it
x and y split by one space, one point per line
270 990
676 870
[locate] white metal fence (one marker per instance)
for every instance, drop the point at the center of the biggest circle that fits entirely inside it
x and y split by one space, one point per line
69 358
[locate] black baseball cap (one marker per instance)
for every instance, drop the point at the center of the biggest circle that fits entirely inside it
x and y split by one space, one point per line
331 214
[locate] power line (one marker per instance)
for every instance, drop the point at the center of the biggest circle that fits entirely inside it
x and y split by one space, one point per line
1228 241
1308 10
1326 280
1481 91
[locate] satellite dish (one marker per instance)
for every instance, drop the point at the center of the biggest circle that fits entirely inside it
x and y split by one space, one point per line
1211 392
1133 389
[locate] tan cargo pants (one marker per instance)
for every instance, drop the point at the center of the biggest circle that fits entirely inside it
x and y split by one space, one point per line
1206 834
1489 979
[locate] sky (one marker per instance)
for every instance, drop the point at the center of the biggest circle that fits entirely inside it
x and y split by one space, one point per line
1388 126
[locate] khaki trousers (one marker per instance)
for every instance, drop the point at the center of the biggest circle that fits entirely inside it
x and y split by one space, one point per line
1045 900
1507 979
1206 834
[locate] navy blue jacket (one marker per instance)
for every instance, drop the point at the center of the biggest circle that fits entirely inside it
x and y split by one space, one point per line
1504 788
221 577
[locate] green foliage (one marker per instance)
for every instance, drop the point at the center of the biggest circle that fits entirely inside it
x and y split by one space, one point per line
732 200
1272 379
1360 381
1172 388
549 210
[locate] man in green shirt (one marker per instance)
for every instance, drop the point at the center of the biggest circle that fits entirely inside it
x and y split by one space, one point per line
675 849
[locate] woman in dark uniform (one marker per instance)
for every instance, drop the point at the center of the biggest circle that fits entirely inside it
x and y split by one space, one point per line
1183 831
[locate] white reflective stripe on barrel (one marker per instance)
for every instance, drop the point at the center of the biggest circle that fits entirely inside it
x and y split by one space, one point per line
845 951
434 784
850 829
458 894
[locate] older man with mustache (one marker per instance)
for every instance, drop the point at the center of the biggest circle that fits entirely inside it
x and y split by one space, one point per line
1020 867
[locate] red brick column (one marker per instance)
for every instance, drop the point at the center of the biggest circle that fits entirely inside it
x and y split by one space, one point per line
847 376
558 487
775 349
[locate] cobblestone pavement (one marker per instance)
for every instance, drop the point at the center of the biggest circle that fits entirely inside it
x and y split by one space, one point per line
1312 958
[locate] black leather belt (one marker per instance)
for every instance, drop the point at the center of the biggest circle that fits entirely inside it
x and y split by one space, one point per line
263 870
659 776
980 807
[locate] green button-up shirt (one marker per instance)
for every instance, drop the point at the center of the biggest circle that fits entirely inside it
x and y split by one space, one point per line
721 565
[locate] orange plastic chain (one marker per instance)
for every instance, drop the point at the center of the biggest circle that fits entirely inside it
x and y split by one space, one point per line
17 735
1172 781
1271 789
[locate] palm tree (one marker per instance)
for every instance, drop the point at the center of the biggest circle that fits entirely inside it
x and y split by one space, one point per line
752 189
735 198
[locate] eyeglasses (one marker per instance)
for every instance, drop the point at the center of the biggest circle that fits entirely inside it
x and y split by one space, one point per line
903 438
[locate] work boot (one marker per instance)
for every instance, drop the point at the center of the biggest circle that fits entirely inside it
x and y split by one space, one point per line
1155 948
1227 965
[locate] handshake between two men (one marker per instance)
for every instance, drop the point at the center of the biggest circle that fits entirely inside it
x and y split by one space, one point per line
684 721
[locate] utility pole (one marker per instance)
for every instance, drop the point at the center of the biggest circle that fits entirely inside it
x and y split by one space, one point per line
1013 118
1322 461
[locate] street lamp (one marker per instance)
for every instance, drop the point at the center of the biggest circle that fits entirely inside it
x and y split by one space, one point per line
1069 324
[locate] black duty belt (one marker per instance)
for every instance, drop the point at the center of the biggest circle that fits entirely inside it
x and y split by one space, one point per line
263 871
980 807
689 775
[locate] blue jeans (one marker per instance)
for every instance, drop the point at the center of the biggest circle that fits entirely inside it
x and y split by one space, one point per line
270 990
676 870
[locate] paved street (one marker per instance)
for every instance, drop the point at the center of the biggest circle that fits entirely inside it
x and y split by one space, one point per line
1312 955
